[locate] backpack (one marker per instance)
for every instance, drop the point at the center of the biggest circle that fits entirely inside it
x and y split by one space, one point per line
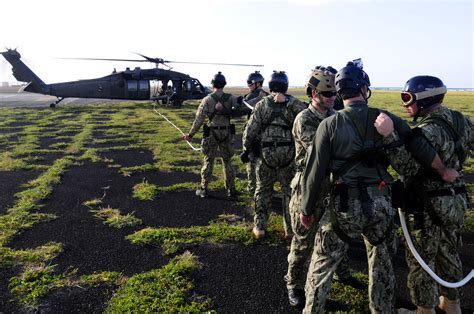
455 131
277 144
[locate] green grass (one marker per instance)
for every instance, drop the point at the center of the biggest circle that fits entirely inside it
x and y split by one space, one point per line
136 126
226 229
113 217
46 252
145 191
34 284
163 290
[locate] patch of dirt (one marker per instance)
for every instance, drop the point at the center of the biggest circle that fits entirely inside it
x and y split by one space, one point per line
10 183
243 279
130 157
19 123
46 142
10 130
47 159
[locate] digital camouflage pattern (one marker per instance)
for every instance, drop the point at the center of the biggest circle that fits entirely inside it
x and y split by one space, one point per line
252 98
220 142
336 141
329 251
437 245
266 175
304 129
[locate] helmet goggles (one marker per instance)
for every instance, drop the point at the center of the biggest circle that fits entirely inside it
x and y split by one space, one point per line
409 98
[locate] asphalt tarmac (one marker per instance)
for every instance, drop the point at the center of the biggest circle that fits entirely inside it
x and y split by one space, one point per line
10 98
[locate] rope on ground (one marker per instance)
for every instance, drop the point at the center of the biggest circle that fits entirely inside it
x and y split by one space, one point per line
422 262
182 133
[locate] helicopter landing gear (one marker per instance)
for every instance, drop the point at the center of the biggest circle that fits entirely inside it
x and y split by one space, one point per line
177 103
53 105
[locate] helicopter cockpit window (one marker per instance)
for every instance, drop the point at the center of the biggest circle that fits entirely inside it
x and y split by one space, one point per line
132 85
144 85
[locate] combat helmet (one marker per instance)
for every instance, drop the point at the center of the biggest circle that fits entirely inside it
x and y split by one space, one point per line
425 90
255 77
218 81
351 77
278 82
322 80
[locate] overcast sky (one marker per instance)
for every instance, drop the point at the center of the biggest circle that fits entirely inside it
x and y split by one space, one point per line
395 39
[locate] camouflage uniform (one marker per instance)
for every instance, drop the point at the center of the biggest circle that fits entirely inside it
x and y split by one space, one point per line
220 142
304 129
337 140
436 232
252 98
266 173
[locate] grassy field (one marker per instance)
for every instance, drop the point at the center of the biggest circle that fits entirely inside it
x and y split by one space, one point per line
121 170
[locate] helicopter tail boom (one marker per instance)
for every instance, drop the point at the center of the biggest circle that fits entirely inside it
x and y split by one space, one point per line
23 73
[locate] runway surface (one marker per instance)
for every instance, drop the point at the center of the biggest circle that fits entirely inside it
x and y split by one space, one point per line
11 99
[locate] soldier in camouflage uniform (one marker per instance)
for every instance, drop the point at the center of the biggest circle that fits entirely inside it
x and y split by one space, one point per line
348 146
272 121
218 138
438 217
321 90
256 93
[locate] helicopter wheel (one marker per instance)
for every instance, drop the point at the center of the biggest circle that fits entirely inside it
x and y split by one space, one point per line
52 105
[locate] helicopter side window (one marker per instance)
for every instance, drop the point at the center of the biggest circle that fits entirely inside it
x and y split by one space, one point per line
132 85
144 85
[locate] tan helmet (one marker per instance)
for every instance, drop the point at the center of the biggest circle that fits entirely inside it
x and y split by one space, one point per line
321 79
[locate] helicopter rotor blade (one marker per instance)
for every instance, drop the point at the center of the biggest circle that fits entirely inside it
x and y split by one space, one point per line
162 61
105 59
216 63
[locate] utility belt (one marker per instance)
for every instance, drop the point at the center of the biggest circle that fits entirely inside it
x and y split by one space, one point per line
277 144
207 129
414 199
448 192
355 192
362 193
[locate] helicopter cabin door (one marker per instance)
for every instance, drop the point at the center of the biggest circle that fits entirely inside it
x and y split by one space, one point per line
138 89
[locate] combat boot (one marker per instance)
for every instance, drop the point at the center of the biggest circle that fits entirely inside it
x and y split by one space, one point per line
202 193
259 233
297 298
231 193
450 306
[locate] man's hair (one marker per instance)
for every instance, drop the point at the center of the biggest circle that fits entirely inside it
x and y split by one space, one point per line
348 93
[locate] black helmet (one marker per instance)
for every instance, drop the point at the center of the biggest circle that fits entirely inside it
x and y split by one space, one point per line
218 81
351 77
425 90
255 77
278 82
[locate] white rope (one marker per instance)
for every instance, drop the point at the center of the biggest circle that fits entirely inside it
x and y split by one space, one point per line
182 133
422 262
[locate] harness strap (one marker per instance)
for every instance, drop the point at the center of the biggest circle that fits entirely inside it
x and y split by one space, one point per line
447 192
277 144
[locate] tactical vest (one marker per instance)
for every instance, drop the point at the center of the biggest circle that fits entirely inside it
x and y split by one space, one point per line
371 155
277 144
220 133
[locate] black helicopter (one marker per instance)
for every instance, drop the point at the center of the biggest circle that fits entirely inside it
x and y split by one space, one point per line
136 84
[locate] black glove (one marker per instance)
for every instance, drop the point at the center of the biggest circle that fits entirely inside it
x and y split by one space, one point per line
244 157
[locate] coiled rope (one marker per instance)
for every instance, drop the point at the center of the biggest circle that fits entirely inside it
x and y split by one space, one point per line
422 262
182 133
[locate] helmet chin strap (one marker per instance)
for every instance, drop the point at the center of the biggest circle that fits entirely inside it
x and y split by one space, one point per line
369 92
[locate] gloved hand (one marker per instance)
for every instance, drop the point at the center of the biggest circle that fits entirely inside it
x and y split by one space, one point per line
244 157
